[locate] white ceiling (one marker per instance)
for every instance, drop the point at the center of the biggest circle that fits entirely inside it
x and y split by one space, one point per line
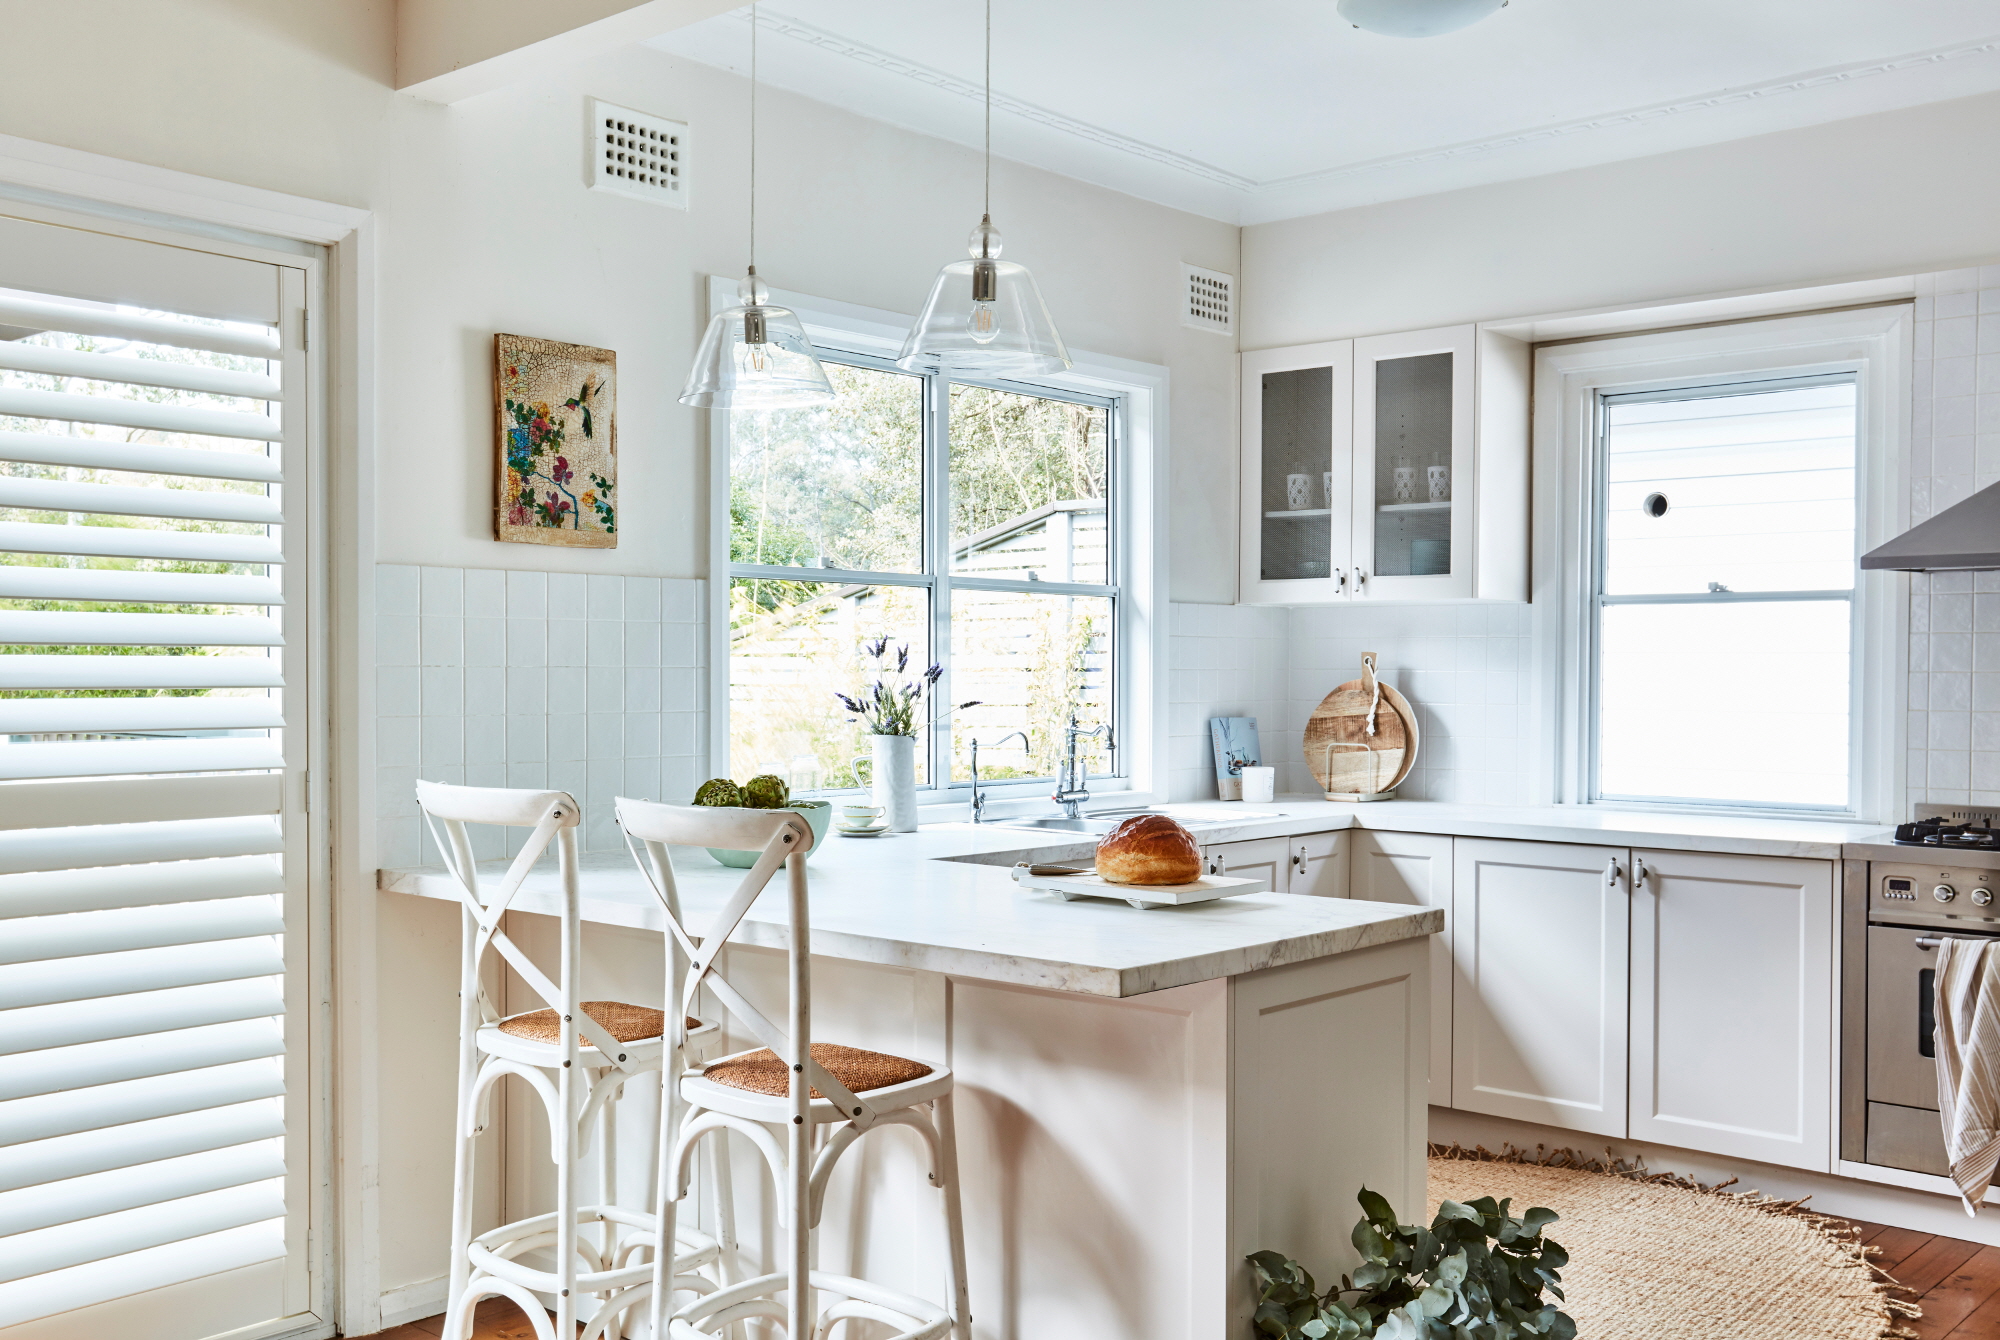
1254 110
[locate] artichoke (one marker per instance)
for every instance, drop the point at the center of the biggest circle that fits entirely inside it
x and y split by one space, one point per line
719 791
766 793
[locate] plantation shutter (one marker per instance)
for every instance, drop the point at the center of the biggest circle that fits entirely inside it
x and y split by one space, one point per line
151 781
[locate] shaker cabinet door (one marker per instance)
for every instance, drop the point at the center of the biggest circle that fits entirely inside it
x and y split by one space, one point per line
1298 468
1414 868
1540 936
1733 1005
1414 489
1319 864
1266 859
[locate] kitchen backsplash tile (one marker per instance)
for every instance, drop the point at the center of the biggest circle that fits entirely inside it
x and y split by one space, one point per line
1954 638
1464 668
477 684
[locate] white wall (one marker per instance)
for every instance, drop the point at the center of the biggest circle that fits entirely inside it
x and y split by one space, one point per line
1896 193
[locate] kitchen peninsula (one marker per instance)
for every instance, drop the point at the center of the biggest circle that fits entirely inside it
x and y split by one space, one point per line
1144 1096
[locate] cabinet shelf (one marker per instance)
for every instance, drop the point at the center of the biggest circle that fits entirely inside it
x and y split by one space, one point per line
1307 512
1400 507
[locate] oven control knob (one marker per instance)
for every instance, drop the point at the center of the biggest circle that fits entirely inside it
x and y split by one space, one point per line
1944 893
1981 897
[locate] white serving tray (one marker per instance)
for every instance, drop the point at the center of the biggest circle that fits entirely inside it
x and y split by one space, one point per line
1088 884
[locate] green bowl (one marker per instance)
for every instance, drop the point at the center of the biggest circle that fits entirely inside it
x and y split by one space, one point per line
818 815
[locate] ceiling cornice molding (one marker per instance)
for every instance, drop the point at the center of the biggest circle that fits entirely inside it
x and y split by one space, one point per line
834 44
1641 115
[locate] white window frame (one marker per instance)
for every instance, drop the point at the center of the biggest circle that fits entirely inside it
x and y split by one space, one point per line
1137 395
1872 343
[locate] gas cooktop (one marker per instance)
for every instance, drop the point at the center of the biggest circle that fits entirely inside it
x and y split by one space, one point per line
1980 836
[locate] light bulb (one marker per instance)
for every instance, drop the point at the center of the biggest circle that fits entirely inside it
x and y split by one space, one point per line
756 358
983 326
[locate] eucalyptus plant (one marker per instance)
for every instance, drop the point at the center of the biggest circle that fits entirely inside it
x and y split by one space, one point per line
1477 1273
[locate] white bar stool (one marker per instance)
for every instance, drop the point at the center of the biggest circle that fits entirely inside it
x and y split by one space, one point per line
790 1085
578 1070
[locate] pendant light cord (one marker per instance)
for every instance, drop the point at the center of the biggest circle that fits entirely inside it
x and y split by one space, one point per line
988 211
753 134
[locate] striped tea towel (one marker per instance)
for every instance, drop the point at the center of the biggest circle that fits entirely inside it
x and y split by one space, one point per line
1968 1062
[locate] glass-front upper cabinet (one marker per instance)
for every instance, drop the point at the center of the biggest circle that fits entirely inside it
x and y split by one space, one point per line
1413 465
1298 413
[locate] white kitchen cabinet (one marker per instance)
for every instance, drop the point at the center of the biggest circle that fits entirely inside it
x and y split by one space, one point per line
1320 865
1414 868
1298 473
1387 468
1540 933
1265 859
1733 1005
1314 864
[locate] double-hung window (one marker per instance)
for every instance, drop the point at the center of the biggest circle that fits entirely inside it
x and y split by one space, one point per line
975 523
1702 499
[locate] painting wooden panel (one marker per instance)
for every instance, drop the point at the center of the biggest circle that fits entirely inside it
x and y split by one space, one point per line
557 408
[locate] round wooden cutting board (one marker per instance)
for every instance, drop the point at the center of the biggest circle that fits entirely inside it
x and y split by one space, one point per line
1346 758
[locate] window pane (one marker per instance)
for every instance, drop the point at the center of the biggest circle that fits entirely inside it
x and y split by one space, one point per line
1030 661
1677 683
838 487
1413 466
792 645
1027 487
1749 492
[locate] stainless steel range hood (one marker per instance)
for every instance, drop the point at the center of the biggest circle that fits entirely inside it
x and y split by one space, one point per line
1964 537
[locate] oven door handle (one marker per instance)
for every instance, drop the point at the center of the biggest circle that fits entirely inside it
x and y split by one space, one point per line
1930 942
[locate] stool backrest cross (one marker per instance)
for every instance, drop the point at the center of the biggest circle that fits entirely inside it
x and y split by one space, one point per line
554 816
781 838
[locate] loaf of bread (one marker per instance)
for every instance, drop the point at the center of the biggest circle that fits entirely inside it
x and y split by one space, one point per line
1149 849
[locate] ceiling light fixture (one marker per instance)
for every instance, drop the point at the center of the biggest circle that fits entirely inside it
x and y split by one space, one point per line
755 355
1417 18
985 316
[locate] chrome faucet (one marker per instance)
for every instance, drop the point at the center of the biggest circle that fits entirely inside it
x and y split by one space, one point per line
1071 791
978 795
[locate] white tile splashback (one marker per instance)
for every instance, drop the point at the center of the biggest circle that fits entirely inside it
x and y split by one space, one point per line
1954 705
586 684
1462 666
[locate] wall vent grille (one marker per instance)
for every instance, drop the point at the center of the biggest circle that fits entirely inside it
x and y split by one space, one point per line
1210 300
632 153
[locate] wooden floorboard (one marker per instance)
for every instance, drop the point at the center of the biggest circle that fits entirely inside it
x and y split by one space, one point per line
1958 1284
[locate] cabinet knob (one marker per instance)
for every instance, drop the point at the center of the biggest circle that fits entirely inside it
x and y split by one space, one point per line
1611 873
1360 578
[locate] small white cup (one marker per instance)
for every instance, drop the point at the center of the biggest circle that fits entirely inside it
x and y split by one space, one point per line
1259 784
1298 492
861 816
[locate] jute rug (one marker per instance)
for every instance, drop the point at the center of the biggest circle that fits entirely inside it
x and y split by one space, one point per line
1654 1256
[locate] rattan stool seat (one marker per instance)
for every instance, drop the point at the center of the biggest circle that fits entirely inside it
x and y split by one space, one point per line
762 1072
626 1023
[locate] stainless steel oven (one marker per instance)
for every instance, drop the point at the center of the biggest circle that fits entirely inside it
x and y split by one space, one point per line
1896 911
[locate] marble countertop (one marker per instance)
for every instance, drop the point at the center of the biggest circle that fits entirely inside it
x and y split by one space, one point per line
941 900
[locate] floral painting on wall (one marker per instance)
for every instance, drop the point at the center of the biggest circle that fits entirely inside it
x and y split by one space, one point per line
558 425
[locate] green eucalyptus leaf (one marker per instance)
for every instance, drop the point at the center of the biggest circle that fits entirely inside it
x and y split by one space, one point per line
1377 1209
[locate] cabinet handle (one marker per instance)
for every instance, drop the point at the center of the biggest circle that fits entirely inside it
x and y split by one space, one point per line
1360 578
1639 874
1341 573
1611 873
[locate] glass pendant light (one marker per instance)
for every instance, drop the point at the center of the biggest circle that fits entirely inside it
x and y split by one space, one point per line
755 355
985 316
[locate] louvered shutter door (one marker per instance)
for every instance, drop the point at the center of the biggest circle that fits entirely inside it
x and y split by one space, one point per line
151 630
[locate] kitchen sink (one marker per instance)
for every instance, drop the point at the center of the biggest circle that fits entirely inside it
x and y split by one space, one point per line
1058 824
